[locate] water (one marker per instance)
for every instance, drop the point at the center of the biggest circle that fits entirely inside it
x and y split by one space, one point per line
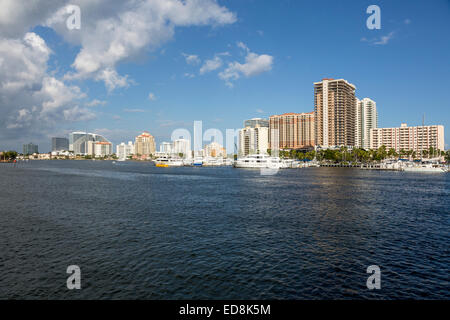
141 232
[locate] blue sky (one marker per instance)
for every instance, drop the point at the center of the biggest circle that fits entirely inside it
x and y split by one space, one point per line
404 67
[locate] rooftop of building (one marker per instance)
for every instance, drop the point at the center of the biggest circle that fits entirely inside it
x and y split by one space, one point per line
404 125
335 80
292 114
145 134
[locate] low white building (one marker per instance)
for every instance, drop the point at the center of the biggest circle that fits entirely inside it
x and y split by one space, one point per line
214 150
99 149
123 151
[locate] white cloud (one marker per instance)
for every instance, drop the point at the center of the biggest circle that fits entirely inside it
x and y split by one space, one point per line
95 103
30 99
260 111
385 39
211 65
134 110
192 59
255 64
243 46
116 31
33 100
151 96
17 17
112 79
78 114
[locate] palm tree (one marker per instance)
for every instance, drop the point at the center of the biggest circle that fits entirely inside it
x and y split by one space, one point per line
391 153
382 154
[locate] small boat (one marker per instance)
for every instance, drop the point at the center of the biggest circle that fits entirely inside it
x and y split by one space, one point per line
198 162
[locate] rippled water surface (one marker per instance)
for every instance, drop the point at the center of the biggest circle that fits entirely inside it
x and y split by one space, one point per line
141 232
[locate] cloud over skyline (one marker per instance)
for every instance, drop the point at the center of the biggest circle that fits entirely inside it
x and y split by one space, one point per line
34 100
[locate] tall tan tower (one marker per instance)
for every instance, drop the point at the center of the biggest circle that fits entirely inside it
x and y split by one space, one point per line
145 144
335 113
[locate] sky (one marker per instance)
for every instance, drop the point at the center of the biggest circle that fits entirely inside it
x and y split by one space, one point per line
159 65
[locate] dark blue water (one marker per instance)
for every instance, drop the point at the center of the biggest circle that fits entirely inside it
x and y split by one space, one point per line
140 232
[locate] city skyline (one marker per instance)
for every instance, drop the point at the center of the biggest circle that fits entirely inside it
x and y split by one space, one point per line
233 64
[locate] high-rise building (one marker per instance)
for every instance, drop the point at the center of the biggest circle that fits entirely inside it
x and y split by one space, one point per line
335 113
255 122
182 147
123 151
408 138
215 150
253 140
292 130
145 144
30 148
60 144
166 147
78 142
366 119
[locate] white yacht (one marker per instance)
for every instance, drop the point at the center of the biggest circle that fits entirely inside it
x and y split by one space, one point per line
228 162
188 162
426 167
168 162
259 161
213 162
288 163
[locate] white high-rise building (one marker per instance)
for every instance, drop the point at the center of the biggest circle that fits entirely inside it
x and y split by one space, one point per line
123 151
253 140
182 146
166 147
366 119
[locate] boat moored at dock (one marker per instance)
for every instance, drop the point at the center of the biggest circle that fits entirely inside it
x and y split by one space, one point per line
259 161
